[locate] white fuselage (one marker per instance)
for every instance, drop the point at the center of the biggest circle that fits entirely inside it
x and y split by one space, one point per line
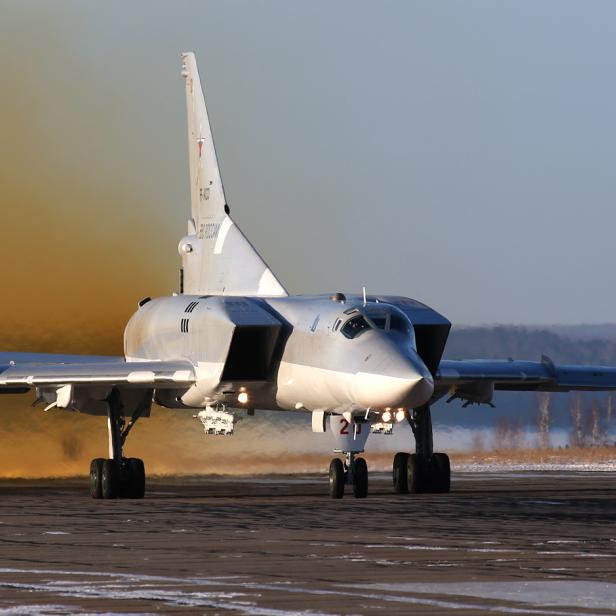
292 353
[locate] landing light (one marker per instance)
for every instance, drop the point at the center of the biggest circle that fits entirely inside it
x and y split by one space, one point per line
386 417
400 415
242 397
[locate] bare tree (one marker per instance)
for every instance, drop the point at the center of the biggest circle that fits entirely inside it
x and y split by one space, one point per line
595 429
517 435
508 435
478 442
608 420
500 434
576 438
544 420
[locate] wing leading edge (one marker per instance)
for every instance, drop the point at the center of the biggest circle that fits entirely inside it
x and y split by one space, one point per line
27 370
474 380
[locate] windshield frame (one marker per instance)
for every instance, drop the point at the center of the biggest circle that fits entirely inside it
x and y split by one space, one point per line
379 311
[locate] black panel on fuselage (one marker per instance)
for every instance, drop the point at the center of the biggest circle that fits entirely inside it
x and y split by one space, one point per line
251 354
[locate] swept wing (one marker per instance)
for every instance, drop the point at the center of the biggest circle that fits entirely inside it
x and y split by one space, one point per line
474 380
26 370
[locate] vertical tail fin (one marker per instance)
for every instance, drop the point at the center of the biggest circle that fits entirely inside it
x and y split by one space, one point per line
216 256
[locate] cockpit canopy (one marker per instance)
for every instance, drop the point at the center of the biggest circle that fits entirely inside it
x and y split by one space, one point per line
379 317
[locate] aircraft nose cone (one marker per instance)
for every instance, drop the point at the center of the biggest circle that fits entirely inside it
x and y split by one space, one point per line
403 380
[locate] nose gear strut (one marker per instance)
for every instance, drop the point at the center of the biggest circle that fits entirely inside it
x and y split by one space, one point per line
351 434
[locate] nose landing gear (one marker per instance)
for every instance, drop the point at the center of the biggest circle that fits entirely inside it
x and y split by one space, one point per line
422 471
351 434
354 472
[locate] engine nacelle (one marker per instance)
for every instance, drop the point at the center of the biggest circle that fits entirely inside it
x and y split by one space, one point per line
475 393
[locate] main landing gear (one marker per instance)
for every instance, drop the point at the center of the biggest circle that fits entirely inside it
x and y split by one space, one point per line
422 471
353 472
117 476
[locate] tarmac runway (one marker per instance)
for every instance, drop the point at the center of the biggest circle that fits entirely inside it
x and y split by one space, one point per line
518 543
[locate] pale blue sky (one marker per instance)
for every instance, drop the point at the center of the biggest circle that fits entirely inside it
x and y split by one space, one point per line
462 153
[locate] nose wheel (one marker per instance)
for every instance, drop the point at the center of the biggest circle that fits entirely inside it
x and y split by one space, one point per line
354 473
422 471
337 478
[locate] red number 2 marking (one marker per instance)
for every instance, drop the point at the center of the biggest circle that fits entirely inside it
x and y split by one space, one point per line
344 427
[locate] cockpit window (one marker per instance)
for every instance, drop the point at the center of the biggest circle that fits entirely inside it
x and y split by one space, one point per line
379 320
355 326
383 318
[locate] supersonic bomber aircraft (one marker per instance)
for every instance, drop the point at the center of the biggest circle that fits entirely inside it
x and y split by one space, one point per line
233 338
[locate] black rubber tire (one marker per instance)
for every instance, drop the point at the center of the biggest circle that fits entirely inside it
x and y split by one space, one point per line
360 478
415 475
440 472
399 473
110 479
96 478
136 478
336 478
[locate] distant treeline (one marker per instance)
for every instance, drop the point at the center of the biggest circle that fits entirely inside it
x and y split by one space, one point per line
505 341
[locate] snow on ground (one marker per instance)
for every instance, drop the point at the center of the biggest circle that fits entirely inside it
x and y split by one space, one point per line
505 466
